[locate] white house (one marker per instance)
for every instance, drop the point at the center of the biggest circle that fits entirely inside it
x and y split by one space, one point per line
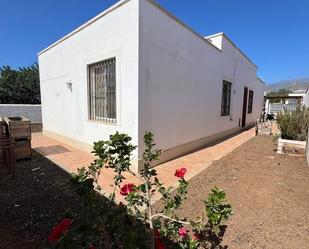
299 97
135 67
287 102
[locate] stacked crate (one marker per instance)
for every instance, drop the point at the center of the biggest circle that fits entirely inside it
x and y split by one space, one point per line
19 128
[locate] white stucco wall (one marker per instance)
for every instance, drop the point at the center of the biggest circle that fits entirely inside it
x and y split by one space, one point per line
32 112
215 40
181 82
169 79
65 112
234 62
306 98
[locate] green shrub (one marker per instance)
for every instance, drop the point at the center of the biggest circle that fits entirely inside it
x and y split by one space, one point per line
135 223
216 209
294 125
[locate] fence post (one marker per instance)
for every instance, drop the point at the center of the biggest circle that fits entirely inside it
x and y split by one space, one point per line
267 106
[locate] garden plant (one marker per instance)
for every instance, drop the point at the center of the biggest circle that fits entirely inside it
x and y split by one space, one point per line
135 223
294 125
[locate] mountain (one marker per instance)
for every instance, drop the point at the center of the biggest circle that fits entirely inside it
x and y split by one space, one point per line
292 85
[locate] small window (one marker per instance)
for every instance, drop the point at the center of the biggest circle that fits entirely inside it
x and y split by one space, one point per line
250 104
102 91
226 98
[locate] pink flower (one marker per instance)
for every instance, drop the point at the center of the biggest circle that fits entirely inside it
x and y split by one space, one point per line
182 232
180 173
127 188
59 229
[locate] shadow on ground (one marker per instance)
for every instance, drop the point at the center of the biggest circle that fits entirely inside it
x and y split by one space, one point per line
32 203
41 195
38 198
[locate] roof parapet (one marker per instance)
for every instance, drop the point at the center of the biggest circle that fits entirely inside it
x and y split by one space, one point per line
211 38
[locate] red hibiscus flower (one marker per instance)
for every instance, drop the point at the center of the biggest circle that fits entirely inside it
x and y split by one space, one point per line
126 189
92 247
180 173
59 229
182 232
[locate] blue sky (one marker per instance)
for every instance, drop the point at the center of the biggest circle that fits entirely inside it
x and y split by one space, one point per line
273 33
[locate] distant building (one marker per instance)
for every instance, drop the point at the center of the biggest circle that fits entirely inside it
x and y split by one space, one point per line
287 102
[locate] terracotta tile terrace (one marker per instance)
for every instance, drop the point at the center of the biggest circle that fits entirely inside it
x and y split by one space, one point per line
70 159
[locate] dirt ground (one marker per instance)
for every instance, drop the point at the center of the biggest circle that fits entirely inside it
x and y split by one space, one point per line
31 204
269 194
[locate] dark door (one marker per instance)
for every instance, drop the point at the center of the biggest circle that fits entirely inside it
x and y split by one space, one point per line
244 108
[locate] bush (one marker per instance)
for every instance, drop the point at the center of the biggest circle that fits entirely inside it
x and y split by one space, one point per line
20 86
136 224
294 125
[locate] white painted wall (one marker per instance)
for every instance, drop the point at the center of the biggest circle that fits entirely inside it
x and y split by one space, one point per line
216 40
169 79
181 82
65 112
306 98
32 112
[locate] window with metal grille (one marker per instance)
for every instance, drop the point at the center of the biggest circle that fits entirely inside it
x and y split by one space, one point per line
250 103
226 98
102 90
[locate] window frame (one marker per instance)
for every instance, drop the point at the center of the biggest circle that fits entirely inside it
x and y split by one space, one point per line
92 115
250 101
224 99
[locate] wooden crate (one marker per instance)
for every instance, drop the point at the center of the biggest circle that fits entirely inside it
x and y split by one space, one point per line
18 127
23 150
2 127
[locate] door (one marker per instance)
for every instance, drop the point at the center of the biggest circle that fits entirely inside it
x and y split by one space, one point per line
244 107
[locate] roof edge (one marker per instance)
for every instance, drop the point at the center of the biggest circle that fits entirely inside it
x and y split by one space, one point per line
123 2
166 12
83 26
262 81
226 37
233 44
213 35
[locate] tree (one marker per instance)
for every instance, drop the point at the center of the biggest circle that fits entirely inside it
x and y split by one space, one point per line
20 86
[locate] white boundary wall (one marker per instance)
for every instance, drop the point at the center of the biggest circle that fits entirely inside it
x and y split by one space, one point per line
32 112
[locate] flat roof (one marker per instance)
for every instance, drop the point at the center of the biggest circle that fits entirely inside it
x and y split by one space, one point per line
114 7
122 2
94 19
283 97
